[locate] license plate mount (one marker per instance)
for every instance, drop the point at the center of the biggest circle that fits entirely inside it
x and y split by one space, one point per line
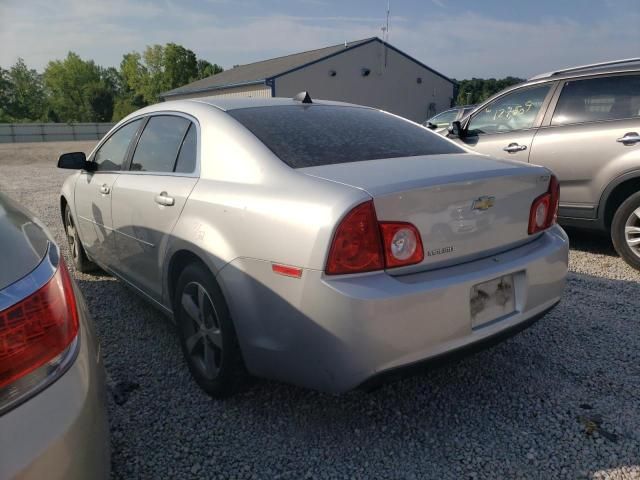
492 300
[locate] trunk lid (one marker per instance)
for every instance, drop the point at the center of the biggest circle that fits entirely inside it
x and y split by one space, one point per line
465 206
23 239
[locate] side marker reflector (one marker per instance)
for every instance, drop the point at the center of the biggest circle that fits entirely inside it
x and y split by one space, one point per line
286 270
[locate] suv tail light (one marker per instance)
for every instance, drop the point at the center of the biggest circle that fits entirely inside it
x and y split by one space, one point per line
362 244
36 330
544 210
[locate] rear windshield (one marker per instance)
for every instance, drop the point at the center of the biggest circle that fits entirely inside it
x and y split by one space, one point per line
314 135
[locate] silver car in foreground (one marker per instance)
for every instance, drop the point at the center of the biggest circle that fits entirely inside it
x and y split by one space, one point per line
314 242
53 421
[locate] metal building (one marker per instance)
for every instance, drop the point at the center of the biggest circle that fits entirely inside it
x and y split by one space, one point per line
368 72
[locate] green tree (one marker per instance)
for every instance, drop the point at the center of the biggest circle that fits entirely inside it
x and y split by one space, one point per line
5 87
161 68
78 90
477 90
206 69
22 97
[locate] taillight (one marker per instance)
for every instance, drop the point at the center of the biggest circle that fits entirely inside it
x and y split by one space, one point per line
402 244
356 244
544 210
362 244
38 328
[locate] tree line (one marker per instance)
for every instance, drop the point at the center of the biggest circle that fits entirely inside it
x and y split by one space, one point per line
77 90
477 90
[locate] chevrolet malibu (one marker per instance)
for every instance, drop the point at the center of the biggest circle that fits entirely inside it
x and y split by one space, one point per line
53 421
319 243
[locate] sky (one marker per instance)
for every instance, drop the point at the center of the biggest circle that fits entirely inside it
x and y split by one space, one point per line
461 39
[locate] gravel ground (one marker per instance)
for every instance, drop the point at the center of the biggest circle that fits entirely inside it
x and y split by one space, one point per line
561 400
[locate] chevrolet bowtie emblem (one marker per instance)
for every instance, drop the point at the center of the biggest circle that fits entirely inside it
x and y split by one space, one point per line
483 203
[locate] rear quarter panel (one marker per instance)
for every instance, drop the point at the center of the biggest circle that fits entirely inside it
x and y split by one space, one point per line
586 158
248 203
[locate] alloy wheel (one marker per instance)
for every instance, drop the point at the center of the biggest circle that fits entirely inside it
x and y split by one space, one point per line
71 235
203 337
632 231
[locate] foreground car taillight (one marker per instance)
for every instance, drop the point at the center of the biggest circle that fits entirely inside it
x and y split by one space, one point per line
34 333
362 244
544 210
356 244
402 244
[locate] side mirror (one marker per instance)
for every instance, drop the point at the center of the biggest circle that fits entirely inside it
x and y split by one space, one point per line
431 126
455 129
74 161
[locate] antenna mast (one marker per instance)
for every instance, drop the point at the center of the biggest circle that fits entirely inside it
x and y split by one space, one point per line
385 32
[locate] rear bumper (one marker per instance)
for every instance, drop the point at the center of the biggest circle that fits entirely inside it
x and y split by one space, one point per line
335 333
457 354
62 431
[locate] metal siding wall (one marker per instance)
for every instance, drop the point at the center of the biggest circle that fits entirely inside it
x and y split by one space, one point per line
393 88
255 91
52 132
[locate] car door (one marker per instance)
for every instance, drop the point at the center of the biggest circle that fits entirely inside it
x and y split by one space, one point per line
589 137
92 195
505 127
149 197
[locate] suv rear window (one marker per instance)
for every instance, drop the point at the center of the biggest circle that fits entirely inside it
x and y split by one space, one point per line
597 99
314 135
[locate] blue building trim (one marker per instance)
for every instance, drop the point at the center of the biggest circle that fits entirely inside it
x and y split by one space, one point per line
270 82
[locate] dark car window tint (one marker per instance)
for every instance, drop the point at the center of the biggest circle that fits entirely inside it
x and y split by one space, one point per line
159 143
597 99
188 152
111 154
312 135
514 111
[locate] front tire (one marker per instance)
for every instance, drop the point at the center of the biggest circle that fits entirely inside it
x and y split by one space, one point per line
207 334
625 230
78 255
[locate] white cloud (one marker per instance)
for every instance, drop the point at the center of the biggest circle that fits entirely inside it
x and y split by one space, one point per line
475 45
460 46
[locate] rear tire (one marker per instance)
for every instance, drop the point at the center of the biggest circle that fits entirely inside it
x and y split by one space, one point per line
207 335
625 230
78 255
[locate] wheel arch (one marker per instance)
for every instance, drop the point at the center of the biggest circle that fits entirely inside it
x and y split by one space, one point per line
177 260
63 205
617 192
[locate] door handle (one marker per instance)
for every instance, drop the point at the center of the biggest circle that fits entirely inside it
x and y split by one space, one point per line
629 138
164 199
514 147
104 189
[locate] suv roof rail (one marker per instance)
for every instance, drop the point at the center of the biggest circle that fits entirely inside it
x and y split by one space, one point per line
585 67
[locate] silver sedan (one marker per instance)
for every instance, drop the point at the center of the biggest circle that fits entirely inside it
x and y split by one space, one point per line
319 243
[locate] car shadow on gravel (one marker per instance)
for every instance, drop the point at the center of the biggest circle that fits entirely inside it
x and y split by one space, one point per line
558 400
591 242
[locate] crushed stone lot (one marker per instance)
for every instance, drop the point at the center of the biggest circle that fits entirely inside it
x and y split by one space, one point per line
560 400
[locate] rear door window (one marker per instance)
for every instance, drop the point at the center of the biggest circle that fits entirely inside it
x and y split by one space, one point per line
188 152
598 99
314 135
159 144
